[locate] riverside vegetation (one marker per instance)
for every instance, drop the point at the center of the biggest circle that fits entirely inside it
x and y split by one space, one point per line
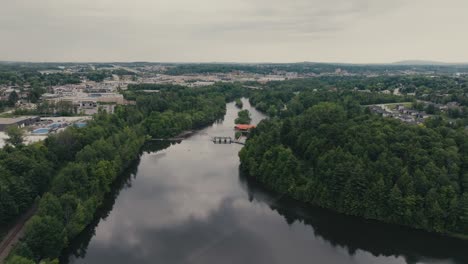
243 117
239 103
73 170
320 147
328 150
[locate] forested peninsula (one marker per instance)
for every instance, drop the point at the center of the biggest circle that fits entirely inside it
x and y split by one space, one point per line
329 150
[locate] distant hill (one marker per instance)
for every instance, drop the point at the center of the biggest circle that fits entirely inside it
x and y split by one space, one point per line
423 62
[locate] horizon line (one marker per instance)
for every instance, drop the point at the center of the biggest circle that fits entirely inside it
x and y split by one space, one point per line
396 63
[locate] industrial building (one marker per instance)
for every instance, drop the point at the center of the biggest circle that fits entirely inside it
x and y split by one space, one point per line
18 121
79 98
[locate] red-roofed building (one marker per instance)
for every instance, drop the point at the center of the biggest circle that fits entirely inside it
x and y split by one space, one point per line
244 127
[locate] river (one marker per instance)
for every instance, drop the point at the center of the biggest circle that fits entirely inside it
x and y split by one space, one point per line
188 203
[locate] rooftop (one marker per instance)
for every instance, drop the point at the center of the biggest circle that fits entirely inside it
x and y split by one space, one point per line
244 126
9 121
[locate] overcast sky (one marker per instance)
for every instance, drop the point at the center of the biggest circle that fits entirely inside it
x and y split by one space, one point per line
358 31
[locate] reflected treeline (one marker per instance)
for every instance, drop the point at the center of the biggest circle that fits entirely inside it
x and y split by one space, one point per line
79 245
157 145
355 233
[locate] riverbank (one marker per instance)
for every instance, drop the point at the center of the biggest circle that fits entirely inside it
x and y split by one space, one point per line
93 157
95 168
349 163
277 192
188 203
179 137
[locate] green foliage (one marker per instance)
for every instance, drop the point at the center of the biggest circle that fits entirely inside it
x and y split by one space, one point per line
171 112
15 136
341 158
243 117
48 108
21 74
239 103
97 76
13 98
19 260
24 173
45 236
87 162
309 67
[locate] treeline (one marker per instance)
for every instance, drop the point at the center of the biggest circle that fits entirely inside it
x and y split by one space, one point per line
437 89
151 86
35 79
24 174
50 108
27 170
76 193
97 76
328 151
312 68
281 97
171 112
77 167
28 77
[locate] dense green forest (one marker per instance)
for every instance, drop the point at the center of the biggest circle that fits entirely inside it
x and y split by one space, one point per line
311 68
18 74
76 168
280 96
73 170
326 149
32 77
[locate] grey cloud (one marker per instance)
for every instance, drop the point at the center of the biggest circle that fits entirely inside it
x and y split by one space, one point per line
303 16
212 30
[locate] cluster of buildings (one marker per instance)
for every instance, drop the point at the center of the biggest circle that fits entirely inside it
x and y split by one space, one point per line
87 98
39 128
6 91
401 113
446 107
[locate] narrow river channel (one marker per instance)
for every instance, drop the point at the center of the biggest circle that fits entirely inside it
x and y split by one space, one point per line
188 203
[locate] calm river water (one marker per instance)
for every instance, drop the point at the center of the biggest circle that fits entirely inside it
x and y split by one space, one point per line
188 203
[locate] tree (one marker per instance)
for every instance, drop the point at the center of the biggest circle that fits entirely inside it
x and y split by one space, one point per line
48 261
365 165
243 117
239 103
12 98
272 111
45 236
464 212
19 260
15 136
50 206
431 109
8 206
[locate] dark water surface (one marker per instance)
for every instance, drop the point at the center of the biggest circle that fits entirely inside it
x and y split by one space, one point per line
188 203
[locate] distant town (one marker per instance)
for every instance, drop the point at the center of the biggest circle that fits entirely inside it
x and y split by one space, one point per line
48 97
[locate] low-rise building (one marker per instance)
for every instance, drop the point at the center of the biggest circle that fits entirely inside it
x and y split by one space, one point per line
79 98
18 121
